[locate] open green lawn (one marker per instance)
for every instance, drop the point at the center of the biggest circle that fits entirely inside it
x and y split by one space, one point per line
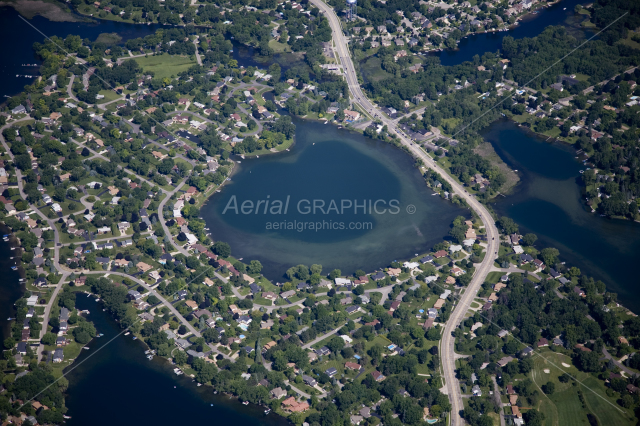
165 65
493 277
563 407
372 70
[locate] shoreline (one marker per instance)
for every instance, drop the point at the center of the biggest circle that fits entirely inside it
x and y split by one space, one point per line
49 10
581 186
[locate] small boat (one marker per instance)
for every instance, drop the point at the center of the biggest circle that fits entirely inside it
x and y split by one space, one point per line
11 258
14 268
127 333
245 403
66 417
564 8
97 300
9 319
13 248
581 171
149 357
135 337
86 348
199 384
21 279
267 411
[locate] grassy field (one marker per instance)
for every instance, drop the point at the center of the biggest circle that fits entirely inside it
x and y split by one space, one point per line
165 65
494 277
372 70
564 407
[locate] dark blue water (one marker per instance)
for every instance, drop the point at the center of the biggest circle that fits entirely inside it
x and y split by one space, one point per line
530 26
326 164
547 202
22 36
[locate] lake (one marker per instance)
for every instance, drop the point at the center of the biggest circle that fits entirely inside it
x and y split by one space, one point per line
548 203
325 164
117 384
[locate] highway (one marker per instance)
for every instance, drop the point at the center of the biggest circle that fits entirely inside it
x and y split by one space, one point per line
482 269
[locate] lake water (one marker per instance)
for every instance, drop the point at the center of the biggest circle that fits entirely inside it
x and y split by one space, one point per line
548 203
117 384
325 164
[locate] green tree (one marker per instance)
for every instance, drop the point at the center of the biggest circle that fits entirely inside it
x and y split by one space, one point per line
222 249
549 255
49 339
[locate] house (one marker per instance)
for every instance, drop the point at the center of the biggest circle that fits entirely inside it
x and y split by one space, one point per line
269 296
542 342
309 380
331 371
428 323
291 405
553 273
579 291
351 115
476 390
378 276
394 305
342 282
538 264
526 351
353 309
278 393
439 254
58 355
355 420
143 267
378 376
504 361
191 304
457 271
323 351
134 295
352 366
287 294
394 272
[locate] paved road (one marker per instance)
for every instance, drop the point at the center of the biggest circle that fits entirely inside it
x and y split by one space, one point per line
321 338
618 364
164 301
195 43
447 345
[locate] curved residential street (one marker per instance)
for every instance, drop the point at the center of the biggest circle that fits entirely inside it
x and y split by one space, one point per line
452 387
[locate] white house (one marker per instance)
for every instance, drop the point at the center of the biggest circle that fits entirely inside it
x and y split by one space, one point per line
342 281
